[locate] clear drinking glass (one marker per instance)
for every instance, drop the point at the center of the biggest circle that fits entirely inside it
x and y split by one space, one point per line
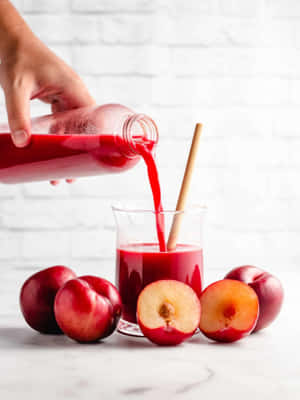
139 261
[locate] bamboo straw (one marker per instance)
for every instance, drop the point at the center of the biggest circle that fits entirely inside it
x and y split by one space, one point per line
172 240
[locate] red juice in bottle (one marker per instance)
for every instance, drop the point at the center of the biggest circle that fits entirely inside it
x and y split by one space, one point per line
82 142
60 156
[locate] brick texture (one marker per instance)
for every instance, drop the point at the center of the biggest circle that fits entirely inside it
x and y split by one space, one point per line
233 65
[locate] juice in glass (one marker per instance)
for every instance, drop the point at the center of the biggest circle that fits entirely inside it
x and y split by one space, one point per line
138 265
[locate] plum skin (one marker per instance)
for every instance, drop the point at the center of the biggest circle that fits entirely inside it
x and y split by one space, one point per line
37 297
268 288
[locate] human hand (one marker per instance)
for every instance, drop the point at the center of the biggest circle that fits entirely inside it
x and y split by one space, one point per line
33 71
29 70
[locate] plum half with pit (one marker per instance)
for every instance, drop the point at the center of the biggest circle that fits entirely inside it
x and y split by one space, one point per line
229 310
168 312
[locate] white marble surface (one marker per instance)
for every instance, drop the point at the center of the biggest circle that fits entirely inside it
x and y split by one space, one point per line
264 366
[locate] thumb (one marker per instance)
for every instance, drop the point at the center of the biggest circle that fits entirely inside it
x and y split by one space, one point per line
18 112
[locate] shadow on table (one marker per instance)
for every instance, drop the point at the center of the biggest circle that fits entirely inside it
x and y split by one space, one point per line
26 338
19 337
199 338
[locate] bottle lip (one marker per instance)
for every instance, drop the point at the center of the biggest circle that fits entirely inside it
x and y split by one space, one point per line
149 129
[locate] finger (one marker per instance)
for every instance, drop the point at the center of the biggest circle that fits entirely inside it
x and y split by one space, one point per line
70 180
18 112
73 95
54 182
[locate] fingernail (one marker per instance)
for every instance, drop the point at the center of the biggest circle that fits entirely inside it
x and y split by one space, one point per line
20 138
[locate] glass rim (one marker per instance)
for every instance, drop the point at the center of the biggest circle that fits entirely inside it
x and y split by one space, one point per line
192 209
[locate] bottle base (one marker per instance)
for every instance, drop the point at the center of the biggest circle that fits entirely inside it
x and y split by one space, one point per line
129 329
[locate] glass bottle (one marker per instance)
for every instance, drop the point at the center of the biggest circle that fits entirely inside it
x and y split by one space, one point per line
81 142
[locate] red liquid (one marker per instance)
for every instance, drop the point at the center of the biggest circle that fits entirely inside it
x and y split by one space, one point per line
156 193
62 156
138 265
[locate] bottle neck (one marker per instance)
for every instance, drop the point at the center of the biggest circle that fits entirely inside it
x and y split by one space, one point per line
139 129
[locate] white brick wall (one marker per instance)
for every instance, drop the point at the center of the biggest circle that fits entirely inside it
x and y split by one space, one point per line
232 64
